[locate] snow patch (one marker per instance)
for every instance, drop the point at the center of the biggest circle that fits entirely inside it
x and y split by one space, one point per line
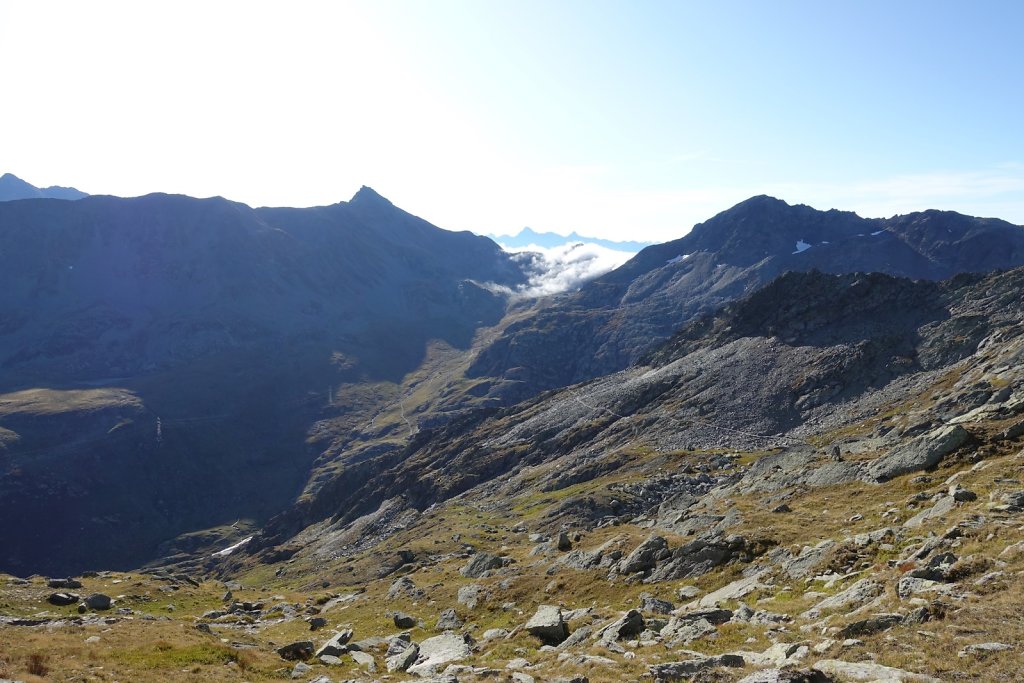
801 246
679 259
877 233
232 548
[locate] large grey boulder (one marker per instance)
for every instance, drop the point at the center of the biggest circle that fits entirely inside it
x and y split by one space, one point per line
645 556
629 624
448 621
98 601
548 625
866 671
401 659
855 596
919 453
687 668
469 595
481 563
335 646
786 676
403 585
440 650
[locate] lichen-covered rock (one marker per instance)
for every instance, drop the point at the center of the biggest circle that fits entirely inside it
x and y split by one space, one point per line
548 625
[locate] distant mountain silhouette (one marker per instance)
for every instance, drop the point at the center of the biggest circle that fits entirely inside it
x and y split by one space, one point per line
527 237
233 326
12 187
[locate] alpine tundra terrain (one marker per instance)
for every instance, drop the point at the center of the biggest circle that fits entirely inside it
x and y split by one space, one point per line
787 447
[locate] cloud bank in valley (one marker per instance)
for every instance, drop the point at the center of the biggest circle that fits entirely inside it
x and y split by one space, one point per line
565 267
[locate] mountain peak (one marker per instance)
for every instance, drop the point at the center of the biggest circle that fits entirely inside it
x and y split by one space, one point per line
367 196
12 187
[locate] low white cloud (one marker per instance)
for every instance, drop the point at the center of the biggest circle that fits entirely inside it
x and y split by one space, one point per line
566 267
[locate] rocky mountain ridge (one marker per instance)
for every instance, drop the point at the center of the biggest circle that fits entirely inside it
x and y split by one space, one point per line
613 320
164 357
12 187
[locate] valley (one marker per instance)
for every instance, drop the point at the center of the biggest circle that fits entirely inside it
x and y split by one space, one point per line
731 459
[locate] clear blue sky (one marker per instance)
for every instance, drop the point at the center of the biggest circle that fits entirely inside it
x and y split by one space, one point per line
628 120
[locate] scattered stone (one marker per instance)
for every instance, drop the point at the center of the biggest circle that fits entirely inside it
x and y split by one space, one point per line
402 659
98 601
874 624
649 603
962 495
520 677
440 650
64 583
548 625
330 660
62 599
469 596
577 637
866 671
629 624
447 621
300 670
403 585
570 679
943 506
563 543
984 649
403 620
856 595
687 592
786 676
299 650
481 563
317 623
677 671
495 633
365 660
782 508
335 646
919 453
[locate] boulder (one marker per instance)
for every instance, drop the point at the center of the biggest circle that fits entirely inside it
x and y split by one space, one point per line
919 453
62 599
645 556
440 650
299 650
629 624
64 583
401 659
867 671
563 543
98 601
686 669
548 625
482 563
873 624
448 621
404 586
469 595
651 604
335 646
365 660
403 620
855 596
301 670
786 676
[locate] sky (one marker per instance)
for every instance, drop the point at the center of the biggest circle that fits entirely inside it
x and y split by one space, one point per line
617 119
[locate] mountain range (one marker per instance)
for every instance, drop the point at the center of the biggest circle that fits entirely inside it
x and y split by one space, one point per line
12 187
527 237
783 447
